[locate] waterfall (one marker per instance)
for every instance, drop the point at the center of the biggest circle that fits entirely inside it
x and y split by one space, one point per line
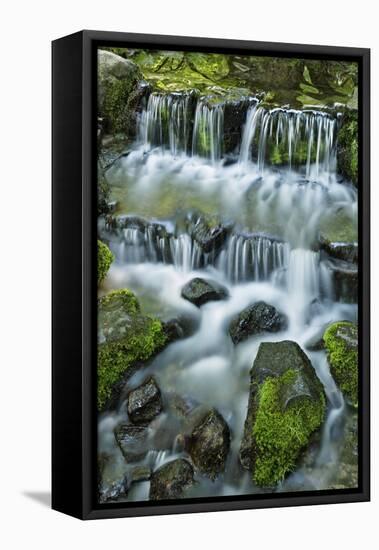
303 282
252 257
208 130
166 122
290 137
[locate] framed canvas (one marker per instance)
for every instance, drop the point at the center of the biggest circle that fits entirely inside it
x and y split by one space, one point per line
210 275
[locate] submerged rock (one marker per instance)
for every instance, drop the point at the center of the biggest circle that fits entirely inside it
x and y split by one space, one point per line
341 342
133 441
286 406
145 402
113 491
171 480
200 291
209 444
345 280
260 317
348 252
126 340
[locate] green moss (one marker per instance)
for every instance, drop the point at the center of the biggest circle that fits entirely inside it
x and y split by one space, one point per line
104 260
347 151
281 432
127 337
341 344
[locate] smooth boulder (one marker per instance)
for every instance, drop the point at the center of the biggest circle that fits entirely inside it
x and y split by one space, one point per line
200 291
145 402
171 480
255 319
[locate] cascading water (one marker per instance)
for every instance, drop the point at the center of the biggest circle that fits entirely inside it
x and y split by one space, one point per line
208 130
269 252
290 137
166 122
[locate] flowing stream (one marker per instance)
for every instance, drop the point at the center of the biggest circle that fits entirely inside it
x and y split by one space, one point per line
177 166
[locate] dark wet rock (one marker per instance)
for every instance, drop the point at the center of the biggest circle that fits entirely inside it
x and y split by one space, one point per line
234 120
210 235
345 280
255 319
210 444
181 327
145 402
140 473
171 480
348 252
113 491
286 406
133 441
200 291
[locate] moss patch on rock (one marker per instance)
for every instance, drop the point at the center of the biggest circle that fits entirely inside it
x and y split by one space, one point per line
341 342
104 260
279 433
286 406
117 78
126 338
347 148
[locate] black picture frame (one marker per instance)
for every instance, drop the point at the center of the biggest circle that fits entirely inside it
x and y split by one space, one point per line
74 274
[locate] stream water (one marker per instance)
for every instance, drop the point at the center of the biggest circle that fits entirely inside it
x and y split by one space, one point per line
177 167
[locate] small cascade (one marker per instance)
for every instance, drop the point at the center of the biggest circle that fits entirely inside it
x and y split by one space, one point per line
303 282
254 258
208 130
292 138
166 122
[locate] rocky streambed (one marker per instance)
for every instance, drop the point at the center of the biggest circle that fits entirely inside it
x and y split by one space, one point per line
227 309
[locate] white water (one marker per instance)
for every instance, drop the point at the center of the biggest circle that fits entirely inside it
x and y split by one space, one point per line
285 270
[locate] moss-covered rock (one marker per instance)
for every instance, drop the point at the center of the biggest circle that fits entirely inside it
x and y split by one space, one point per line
126 339
117 82
286 406
104 260
341 342
347 147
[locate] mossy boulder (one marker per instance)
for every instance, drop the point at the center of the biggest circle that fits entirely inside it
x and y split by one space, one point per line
347 147
104 260
286 406
171 480
118 80
126 340
341 342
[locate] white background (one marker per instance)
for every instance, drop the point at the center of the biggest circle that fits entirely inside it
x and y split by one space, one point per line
27 27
